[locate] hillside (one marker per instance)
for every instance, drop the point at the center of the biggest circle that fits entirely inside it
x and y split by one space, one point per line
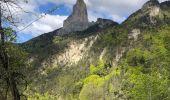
129 61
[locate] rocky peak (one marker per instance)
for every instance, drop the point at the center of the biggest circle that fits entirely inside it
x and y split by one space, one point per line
150 3
152 9
149 14
78 20
150 6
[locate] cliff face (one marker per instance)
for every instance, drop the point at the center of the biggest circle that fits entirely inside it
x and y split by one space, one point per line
152 9
78 20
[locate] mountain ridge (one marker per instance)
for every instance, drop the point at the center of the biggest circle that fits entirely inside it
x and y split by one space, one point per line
66 61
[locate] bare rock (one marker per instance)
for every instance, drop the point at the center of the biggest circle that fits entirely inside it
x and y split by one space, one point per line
78 20
152 8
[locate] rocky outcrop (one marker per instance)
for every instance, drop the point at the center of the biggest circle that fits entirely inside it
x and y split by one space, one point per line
100 24
78 20
152 9
134 34
149 14
104 23
150 4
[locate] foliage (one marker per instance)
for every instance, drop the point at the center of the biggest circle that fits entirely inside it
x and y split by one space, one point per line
150 86
147 75
17 67
12 67
45 96
142 74
100 86
101 69
57 39
137 57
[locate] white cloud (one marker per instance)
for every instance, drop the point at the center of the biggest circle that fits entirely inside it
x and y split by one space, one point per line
118 18
46 24
117 9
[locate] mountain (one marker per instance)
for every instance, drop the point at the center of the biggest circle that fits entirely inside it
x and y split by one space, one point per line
100 62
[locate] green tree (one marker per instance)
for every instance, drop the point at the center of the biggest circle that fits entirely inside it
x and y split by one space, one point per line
12 69
146 86
7 58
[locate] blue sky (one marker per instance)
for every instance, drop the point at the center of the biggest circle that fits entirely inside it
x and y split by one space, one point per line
117 10
62 11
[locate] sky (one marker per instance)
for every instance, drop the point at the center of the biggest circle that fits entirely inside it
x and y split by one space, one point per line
116 10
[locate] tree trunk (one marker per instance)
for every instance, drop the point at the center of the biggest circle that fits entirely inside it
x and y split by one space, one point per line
5 63
14 89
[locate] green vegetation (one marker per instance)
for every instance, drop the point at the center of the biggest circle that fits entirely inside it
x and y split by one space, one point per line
99 87
12 68
142 73
147 75
146 86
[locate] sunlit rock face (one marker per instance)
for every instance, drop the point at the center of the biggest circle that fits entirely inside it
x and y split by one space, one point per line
152 8
78 20
150 3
